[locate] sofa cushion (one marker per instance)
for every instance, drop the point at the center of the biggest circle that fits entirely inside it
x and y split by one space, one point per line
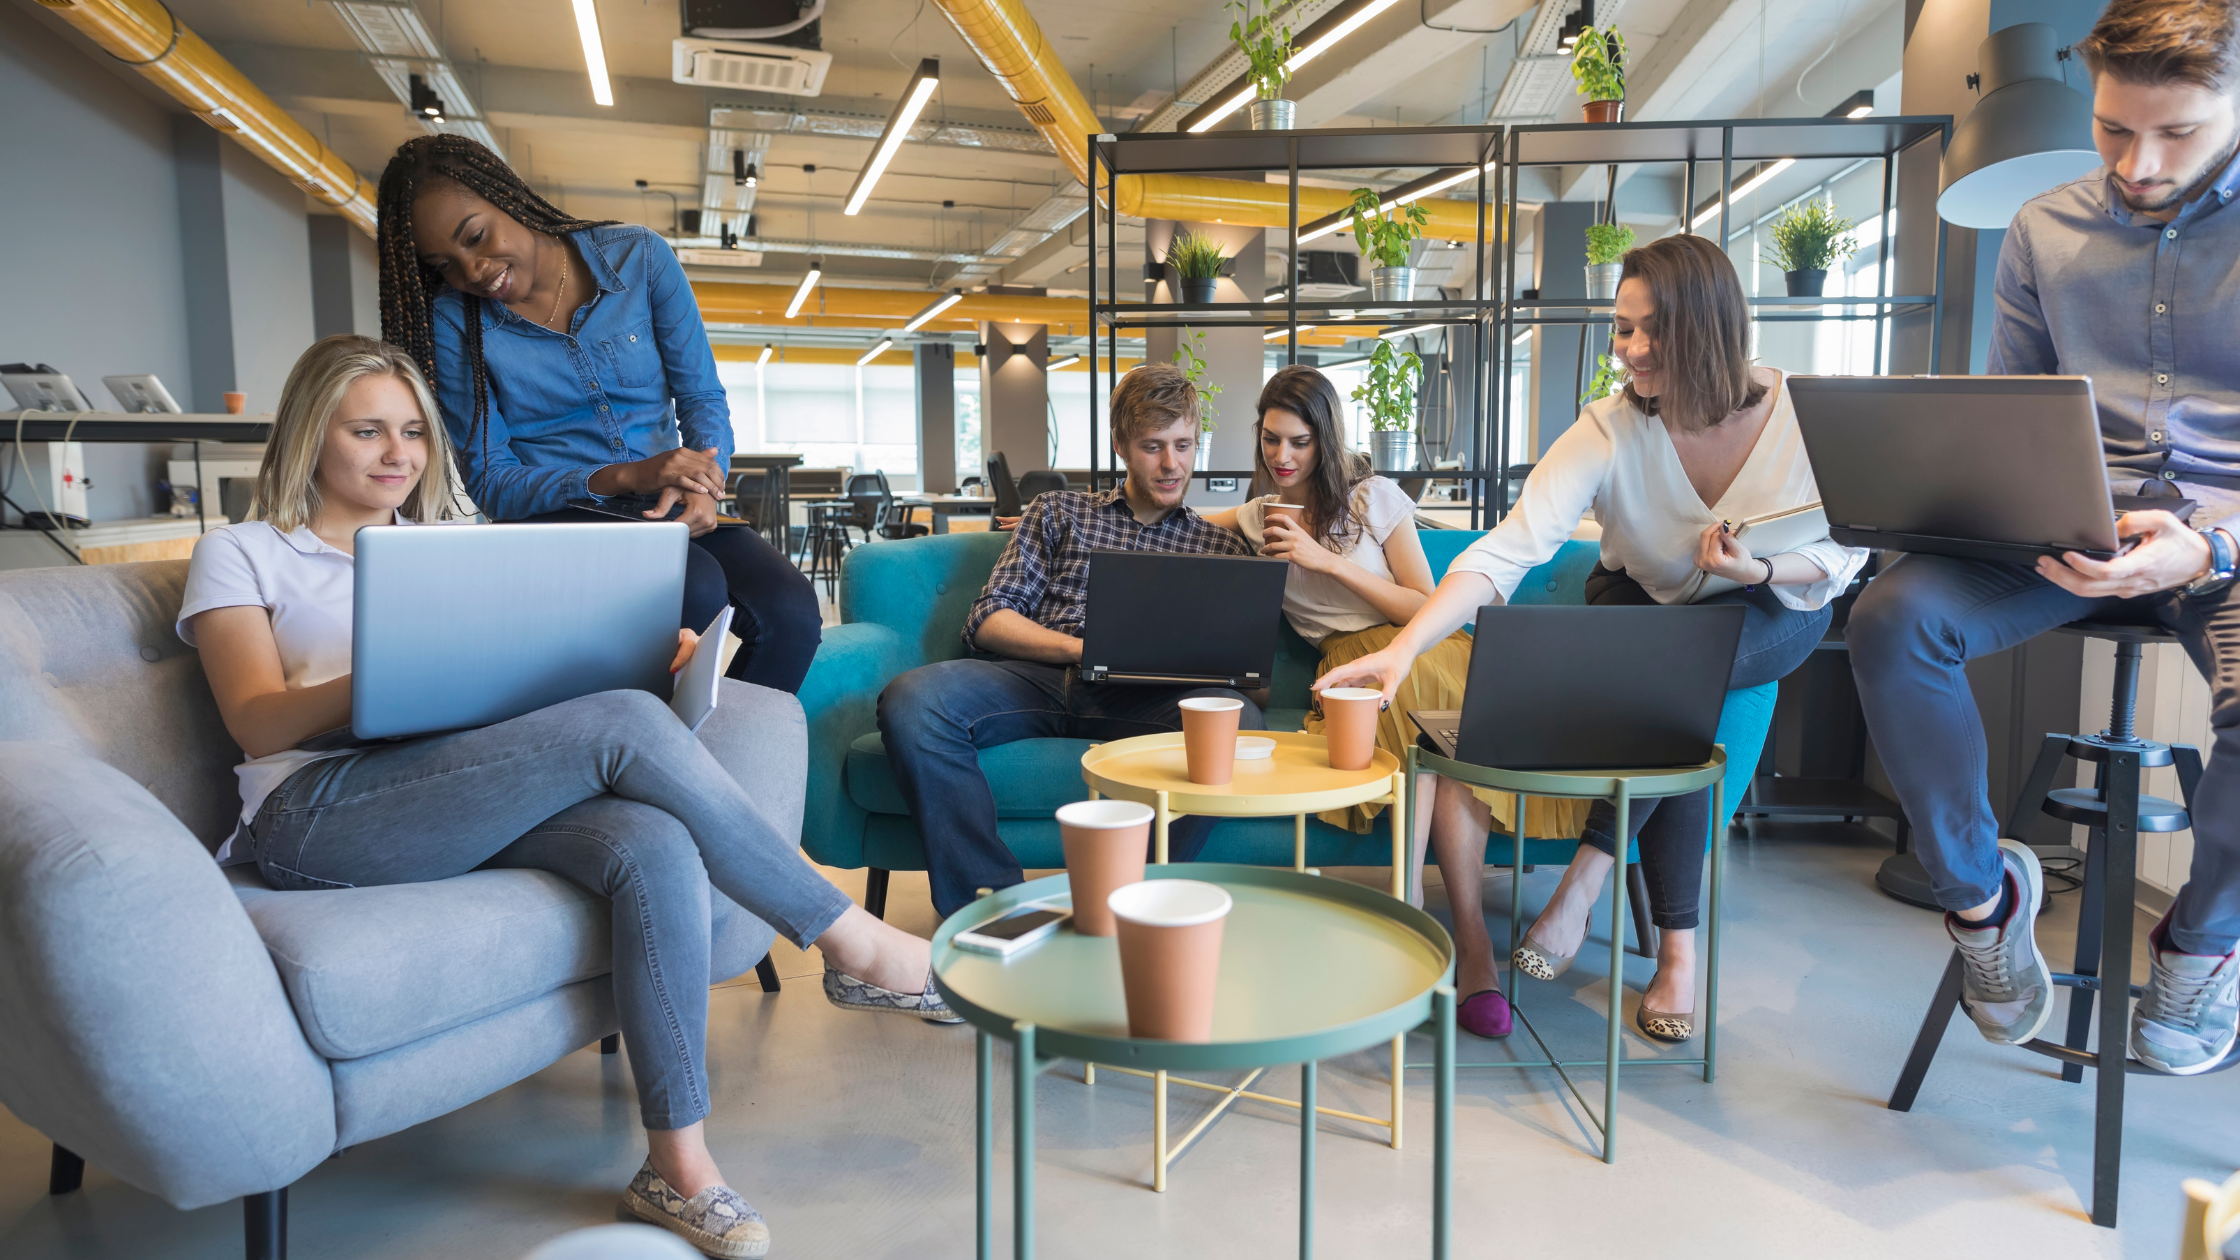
370 969
1031 778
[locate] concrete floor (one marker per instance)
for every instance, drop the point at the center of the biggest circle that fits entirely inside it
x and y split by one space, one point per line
853 1133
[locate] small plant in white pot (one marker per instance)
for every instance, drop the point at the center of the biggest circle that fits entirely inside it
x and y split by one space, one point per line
1598 64
1197 262
1268 52
1190 357
1607 244
1389 239
1389 393
1808 238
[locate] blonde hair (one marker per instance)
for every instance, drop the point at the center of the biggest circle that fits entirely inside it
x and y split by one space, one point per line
287 483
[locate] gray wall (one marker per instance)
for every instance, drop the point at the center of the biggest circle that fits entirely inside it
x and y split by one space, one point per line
345 279
1015 395
1558 375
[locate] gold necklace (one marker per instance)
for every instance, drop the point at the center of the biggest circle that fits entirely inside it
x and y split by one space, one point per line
557 298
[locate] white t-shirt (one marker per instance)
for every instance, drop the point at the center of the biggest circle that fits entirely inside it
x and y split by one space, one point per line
1317 604
307 586
1622 464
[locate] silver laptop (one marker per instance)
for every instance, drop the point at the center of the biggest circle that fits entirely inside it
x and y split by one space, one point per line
462 626
1986 467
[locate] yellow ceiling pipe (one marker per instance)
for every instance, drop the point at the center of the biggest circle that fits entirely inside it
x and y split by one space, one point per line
730 301
148 37
1010 43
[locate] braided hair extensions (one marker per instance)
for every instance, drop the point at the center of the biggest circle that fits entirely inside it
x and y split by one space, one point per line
409 288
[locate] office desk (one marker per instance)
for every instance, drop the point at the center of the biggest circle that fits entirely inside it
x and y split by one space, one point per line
120 426
943 506
773 507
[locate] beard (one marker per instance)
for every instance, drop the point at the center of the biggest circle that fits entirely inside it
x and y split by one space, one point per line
2186 188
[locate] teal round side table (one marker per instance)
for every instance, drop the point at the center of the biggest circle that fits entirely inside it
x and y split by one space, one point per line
1311 968
1620 788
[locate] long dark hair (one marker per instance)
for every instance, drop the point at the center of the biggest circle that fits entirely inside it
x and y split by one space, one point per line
1338 470
408 288
1701 327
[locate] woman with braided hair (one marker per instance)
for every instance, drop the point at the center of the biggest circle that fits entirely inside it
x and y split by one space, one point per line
572 368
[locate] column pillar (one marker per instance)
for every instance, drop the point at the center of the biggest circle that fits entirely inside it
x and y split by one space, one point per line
1561 255
1236 358
1015 394
934 365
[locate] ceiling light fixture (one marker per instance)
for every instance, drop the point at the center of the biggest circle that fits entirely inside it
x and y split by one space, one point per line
1521 338
764 360
1276 296
1410 331
905 116
1414 190
425 102
2030 131
940 304
1743 189
875 351
1065 362
594 51
1347 25
1280 333
743 173
808 282
1857 105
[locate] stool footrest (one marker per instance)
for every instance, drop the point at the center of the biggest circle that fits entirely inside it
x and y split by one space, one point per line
2097 748
2083 805
2064 980
2091 1059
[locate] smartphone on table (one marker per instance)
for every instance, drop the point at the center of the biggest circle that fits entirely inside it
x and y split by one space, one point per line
1010 933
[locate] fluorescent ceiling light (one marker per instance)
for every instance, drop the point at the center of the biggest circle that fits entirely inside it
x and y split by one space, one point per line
1398 197
1521 338
1280 333
940 304
1410 331
1065 362
1744 189
875 351
905 116
594 51
1860 111
1359 18
808 282
1276 296
765 358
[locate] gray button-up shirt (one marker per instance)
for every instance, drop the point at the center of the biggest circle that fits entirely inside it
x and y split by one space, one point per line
2146 309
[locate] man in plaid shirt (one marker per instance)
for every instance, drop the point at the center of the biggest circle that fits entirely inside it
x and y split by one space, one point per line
1023 680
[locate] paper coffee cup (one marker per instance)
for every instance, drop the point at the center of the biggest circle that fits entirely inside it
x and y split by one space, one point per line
1170 955
1297 513
1105 843
1349 725
1209 738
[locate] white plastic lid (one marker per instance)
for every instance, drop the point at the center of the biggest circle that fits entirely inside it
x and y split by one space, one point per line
1170 902
1210 704
1254 748
1352 693
1105 813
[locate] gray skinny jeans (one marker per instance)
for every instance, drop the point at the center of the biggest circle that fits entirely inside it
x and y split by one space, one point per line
608 790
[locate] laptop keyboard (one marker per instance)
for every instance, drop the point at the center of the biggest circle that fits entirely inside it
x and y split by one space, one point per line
1453 737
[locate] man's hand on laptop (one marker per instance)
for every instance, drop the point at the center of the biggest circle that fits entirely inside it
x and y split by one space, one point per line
2165 553
1384 670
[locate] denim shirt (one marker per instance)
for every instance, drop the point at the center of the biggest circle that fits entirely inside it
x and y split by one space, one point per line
633 369
2088 288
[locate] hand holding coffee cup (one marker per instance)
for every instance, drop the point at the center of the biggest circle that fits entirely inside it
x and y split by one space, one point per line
1170 955
1105 843
1349 725
1209 738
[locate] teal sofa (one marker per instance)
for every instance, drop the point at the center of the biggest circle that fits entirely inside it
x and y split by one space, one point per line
902 605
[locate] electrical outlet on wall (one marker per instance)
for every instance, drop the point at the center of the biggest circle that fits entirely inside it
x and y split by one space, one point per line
1221 485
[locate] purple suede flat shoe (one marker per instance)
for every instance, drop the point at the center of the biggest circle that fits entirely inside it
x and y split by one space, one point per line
1485 1013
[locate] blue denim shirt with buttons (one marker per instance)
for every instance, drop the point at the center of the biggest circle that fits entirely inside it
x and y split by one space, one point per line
2087 287
630 375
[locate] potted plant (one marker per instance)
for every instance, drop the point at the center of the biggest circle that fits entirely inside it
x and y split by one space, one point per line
1197 262
1598 63
1807 238
1390 395
1609 378
1607 244
1389 240
1267 49
1188 355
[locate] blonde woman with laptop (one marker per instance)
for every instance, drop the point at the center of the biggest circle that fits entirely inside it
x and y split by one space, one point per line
608 790
1698 440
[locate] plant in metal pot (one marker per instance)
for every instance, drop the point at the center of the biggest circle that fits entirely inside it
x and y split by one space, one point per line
1197 262
1598 64
1388 237
1808 238
1266 46
1607 244
1389 394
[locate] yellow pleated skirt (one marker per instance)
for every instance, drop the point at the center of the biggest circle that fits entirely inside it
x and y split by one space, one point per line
1436 682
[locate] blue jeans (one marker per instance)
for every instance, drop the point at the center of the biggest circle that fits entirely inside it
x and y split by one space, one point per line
1672 831
608 790
1913 633
936 718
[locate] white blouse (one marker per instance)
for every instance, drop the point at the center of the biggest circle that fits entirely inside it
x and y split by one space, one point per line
1317 604
1622 464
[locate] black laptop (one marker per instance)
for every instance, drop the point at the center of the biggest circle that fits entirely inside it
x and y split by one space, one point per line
1566 687
1003 487
2005 468
1182 620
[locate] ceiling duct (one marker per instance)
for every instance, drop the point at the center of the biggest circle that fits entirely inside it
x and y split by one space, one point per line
795 25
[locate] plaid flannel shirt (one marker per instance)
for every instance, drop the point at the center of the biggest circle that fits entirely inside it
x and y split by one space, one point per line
1044 572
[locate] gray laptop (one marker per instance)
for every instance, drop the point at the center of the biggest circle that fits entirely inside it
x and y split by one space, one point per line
1162 619
1986 467
462 626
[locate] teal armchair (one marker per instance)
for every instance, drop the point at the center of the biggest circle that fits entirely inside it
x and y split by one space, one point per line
903 604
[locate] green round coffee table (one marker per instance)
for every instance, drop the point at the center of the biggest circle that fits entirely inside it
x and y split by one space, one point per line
1311 968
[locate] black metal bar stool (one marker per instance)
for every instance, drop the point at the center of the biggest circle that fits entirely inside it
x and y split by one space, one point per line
826 541
2116 811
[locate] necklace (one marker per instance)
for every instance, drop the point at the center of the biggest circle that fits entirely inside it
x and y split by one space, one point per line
557 298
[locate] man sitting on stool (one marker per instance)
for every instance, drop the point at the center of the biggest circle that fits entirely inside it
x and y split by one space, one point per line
1025 630
2152 239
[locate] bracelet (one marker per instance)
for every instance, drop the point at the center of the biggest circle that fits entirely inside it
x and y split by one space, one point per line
1767 580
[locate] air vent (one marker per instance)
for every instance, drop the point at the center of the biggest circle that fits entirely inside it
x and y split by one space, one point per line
60 4
749 67
1037 113
223 119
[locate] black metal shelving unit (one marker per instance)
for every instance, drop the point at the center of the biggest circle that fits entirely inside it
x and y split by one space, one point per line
1471 153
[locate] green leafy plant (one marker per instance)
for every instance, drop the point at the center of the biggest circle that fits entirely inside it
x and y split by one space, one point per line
1607 243
1187 356
1264 44
1598 62
1609 378
1810 236
1195 257
1385 236
1390 390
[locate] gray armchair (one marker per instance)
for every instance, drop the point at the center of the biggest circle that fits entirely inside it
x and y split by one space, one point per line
205 1037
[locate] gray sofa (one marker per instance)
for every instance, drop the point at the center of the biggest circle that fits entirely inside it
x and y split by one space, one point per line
205 1037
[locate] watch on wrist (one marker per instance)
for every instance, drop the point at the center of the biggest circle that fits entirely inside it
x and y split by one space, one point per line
2224 561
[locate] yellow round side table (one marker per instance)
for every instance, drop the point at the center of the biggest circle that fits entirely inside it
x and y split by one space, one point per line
1297 780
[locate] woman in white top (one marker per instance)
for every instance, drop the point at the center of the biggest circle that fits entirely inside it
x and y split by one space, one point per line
1697 439
608 790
